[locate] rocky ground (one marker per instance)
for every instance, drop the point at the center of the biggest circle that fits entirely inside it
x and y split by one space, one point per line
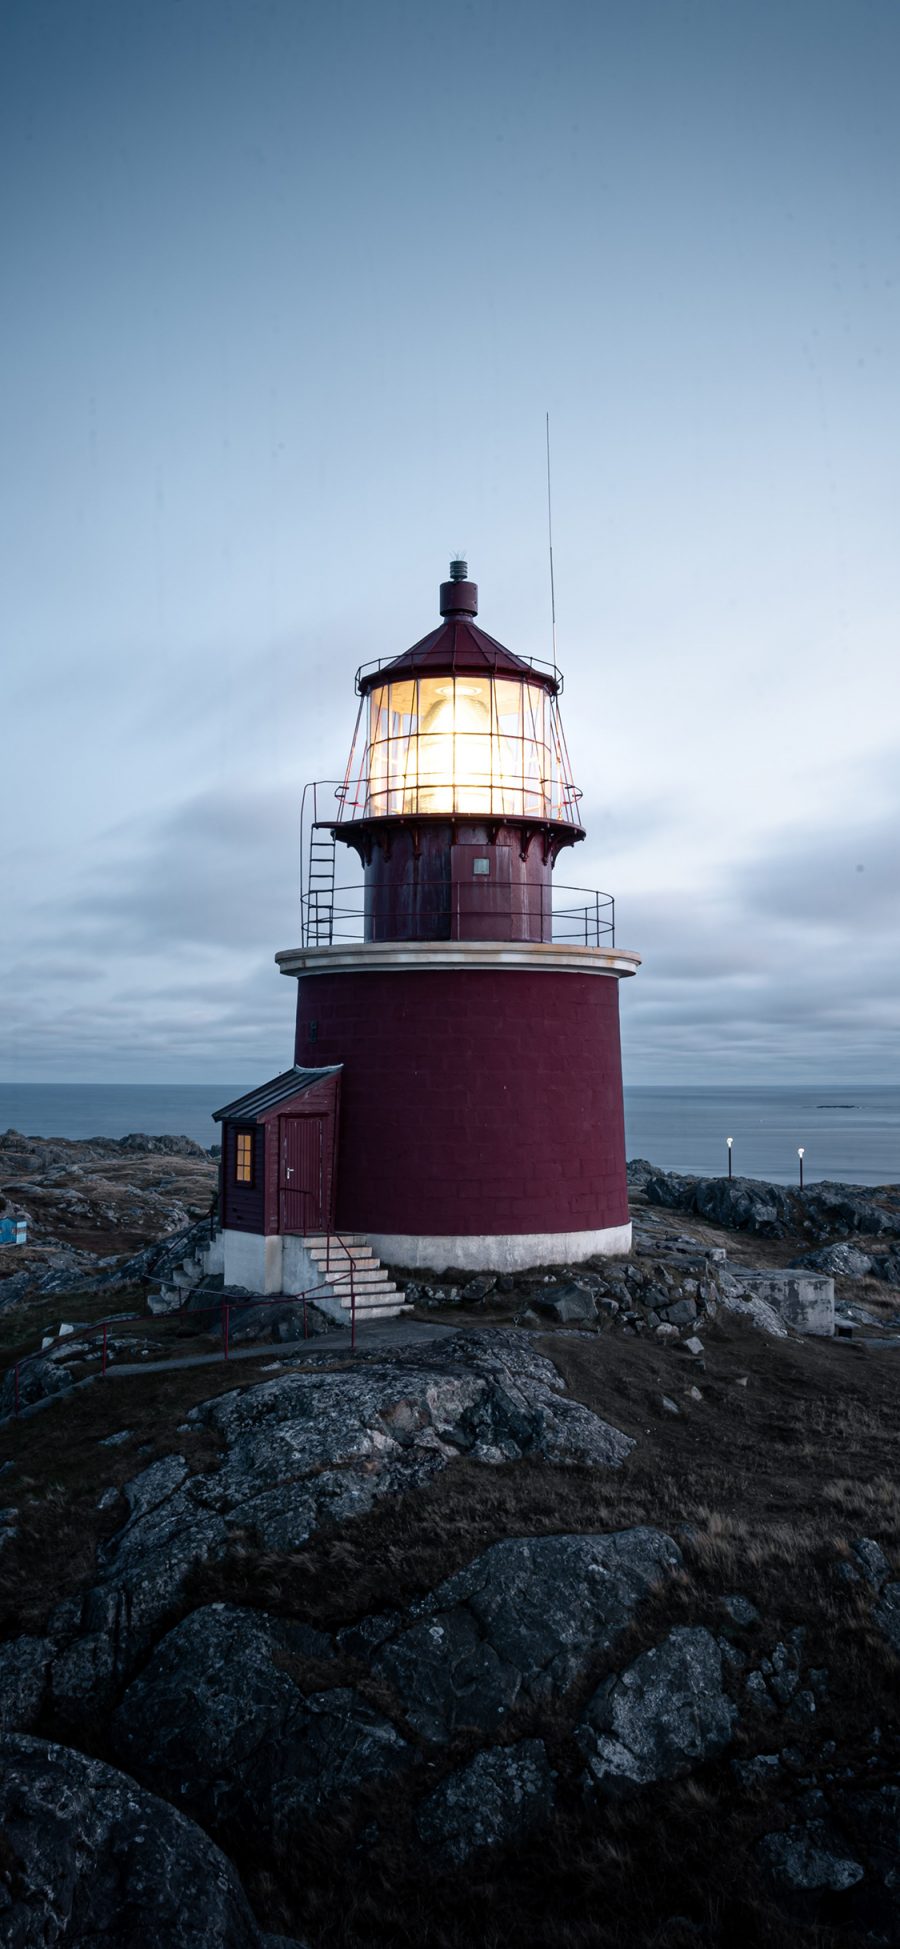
96 1199
578 1626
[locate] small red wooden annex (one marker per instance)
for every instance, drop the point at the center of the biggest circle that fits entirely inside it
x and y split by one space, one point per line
279 1154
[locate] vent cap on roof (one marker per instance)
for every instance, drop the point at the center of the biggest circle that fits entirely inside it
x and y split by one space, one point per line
459 596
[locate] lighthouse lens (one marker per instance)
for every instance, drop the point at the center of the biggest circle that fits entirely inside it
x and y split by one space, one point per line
461 744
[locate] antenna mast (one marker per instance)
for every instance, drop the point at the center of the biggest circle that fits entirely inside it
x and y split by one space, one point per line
550 540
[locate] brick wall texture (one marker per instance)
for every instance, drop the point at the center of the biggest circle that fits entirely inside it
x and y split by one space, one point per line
473 1102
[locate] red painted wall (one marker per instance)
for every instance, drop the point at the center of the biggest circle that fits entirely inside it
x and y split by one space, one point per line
420 887
484 1101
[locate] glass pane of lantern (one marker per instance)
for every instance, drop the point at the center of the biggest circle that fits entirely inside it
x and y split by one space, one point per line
535 753
403 759
508 753
403 709
472 744
378 752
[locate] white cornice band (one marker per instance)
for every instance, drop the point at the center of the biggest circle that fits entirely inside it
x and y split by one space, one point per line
421 957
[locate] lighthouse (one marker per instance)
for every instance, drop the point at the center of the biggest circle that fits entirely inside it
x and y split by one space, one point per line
456 1093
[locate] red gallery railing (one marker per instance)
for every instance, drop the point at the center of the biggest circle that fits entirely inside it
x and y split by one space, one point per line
334 913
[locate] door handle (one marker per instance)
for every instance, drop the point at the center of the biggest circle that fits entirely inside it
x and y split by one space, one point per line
290 1171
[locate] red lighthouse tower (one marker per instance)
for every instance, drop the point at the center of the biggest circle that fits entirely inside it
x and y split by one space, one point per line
456 1095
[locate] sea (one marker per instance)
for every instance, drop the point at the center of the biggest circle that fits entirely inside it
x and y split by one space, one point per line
851 1135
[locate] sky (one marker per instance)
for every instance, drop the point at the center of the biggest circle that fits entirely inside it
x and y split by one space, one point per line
288 290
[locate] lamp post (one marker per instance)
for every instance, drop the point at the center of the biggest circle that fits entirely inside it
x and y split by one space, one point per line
800 1155
729 1141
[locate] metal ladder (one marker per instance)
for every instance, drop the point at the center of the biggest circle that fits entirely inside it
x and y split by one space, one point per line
320 887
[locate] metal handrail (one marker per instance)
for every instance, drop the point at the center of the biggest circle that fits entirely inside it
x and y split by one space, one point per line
536 663
343 1242
589 922
559 800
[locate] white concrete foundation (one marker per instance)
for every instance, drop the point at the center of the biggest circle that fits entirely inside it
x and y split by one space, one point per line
511 1252
253 1261
300 1271
214 1255
279 1264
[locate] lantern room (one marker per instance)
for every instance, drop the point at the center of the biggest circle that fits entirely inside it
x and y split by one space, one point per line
458 794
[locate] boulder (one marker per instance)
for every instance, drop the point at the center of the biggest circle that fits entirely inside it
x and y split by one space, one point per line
670 1189
872 1561
24 1670
570 1304
842 1261
260 1320
740 1297
887 1615
89 1858
682 1313
873 1814
740 1610
740 1204
16 1288
518 1626
665 1714
638 1170
479 1288
37 1379
810 1856
495 1800
165 1146
850 1208
217 1720
746 1205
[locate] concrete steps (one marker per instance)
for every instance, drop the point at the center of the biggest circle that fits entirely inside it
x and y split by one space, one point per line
376 1296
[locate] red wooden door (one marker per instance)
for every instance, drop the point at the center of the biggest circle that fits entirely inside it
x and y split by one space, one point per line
302 1177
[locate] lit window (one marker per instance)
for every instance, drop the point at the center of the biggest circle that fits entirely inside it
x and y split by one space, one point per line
243 1161
472 744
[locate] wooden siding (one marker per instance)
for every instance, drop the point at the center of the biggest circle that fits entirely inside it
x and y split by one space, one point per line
243 1205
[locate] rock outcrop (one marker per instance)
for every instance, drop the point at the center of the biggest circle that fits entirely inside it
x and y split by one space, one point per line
94 1206
217 1722
497 1799
666 1713
827 1212
517 1627
224 1719
308 1449
90 1858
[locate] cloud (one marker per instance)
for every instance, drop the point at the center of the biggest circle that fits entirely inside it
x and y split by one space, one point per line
843 879
787 966
159 959
219 870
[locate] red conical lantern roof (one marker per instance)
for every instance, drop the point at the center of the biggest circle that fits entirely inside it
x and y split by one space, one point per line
458 647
